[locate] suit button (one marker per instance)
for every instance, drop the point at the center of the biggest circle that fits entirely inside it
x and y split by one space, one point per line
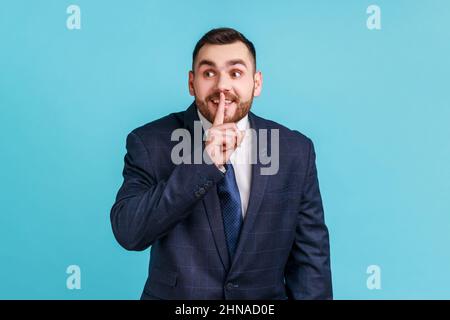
201 191
208 183
231 286
197 194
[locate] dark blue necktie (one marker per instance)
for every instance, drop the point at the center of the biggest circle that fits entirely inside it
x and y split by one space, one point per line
230 203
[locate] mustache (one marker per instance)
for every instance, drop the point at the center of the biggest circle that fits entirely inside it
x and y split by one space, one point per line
228 96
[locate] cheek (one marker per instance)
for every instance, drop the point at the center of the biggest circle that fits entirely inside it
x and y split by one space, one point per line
202 88
244 90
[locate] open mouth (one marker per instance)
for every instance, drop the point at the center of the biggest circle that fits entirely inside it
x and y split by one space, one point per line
228 102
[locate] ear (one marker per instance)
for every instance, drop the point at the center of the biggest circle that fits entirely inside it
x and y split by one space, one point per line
191 83
258 78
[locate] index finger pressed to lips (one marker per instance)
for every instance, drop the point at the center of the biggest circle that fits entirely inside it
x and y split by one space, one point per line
220 114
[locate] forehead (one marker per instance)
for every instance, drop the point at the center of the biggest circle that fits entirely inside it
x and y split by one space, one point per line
221 54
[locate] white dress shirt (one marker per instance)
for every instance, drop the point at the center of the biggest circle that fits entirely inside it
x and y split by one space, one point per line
240 159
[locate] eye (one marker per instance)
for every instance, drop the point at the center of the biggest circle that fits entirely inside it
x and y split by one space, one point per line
209 73
236 73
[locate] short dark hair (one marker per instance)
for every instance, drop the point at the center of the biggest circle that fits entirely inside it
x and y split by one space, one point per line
223 36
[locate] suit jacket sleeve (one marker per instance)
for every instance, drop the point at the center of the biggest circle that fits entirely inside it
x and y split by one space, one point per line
307 273
146 208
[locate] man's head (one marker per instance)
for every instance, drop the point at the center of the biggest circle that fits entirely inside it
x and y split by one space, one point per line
224 61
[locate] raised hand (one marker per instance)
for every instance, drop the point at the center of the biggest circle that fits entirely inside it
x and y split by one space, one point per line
222 138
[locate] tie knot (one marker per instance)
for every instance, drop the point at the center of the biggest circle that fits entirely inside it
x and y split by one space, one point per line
228 166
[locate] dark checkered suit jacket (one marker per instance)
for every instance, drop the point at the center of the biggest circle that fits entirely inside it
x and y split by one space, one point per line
283 249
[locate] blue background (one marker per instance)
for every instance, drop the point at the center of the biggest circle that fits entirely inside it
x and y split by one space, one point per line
374 102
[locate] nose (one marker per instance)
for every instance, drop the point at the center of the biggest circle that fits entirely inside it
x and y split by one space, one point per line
223 83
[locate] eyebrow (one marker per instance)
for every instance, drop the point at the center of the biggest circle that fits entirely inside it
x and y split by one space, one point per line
229 63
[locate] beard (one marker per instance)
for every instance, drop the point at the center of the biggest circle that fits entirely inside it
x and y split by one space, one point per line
208 109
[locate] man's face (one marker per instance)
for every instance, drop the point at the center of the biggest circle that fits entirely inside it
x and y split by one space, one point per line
227 68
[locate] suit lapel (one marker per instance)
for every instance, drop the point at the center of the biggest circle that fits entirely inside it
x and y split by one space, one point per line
214 212
258 185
